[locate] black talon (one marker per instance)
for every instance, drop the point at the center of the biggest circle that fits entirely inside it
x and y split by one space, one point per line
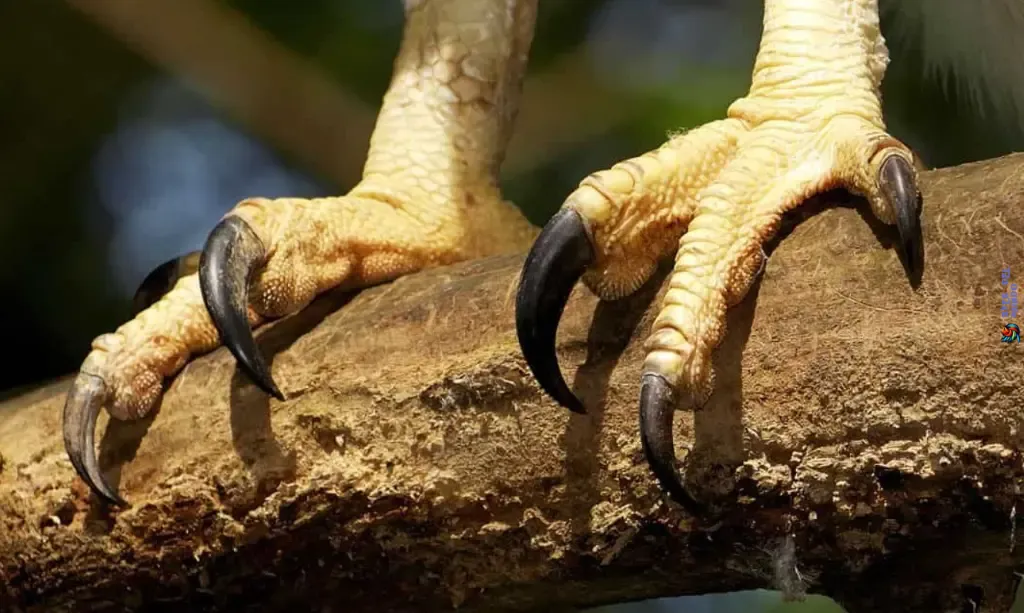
162 280
657 408
232 253
556 262
896 180
86 397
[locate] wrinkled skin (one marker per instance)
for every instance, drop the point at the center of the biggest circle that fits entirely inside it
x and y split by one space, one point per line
429 196
811 122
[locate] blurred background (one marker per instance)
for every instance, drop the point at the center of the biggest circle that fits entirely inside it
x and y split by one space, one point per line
130 127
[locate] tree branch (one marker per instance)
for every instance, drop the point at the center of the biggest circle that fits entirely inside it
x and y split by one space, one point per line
416 466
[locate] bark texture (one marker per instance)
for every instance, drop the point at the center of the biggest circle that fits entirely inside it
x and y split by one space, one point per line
862 433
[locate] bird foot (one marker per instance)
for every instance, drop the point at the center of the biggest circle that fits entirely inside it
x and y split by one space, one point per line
811 122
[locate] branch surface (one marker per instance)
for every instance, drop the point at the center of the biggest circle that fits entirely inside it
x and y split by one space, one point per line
416 466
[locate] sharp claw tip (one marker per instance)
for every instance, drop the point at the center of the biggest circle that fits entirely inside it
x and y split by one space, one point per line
915 276
897 181
574 404
555 263
232 252
84 401
255 369
111 498
275 391
657 409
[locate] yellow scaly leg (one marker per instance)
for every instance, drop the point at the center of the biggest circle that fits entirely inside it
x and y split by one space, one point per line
812 121
429 196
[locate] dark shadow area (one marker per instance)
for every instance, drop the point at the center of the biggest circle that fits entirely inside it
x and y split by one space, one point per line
973 597
885 234
832 199
251 430
718 446
611 329
718 426
253 438
959 567
121 441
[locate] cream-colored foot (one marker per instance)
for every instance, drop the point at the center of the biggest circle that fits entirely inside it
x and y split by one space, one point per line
811 122
429 196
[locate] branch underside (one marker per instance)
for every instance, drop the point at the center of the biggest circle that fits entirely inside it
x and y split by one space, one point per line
415 461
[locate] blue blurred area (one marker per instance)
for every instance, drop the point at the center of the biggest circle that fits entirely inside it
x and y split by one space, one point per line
170 170
174 165
645 45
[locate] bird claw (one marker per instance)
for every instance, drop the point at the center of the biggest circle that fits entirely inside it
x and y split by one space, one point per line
679 346
657 410
160 281
428 196
232 254
897 183
85 399
557 260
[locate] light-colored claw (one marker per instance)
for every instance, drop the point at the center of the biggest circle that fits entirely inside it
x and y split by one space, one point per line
636 210
814 123
85 399
613 229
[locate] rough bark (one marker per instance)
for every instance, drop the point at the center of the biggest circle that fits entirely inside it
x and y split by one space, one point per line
415 461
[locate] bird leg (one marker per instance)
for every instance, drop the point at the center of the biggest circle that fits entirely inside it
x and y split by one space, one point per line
811 122
428 196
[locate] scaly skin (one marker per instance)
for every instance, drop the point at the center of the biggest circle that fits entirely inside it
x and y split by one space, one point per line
812 121
429 196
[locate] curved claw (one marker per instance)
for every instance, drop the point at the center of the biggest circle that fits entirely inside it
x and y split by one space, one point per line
657 408
162 279
896 180
556 262
232 253
86 397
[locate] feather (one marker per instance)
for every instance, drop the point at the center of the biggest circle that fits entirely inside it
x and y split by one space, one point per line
973 50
